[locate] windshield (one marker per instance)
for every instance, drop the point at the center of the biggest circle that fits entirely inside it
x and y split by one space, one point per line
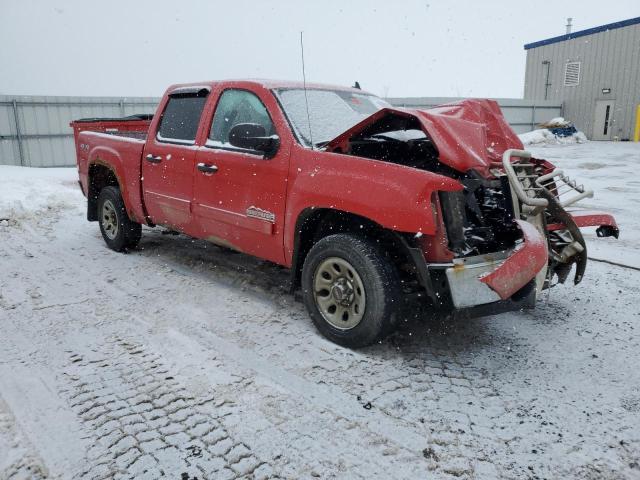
331 112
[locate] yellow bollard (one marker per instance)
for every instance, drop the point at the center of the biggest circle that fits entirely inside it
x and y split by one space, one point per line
636 135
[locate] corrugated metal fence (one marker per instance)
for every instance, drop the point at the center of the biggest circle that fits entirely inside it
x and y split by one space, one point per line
35 132
522 115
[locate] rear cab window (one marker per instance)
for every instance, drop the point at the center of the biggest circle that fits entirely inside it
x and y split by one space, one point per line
181 116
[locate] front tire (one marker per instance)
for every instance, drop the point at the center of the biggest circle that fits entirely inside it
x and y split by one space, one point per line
120 233
351 290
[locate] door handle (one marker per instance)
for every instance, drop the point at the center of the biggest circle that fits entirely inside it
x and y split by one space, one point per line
153 159
204 168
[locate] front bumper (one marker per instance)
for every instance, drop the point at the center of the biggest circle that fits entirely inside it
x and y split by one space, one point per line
607 226
490 278
550 238
524 299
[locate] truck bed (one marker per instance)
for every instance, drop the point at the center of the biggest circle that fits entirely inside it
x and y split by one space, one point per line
118 143
133 126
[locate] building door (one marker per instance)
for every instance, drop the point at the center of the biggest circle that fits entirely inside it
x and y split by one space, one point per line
602 120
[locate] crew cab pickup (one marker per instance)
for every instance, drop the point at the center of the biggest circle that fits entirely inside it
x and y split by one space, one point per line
365 203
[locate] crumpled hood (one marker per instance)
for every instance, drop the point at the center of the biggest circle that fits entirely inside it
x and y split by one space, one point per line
470 134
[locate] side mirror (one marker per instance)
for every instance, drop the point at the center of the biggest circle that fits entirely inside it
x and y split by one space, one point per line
253 136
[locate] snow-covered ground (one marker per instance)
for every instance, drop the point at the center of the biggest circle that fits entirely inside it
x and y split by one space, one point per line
188 360
25 192
612 171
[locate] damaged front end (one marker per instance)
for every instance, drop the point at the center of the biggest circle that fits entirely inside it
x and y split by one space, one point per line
520 212
500 258
544 197
509 231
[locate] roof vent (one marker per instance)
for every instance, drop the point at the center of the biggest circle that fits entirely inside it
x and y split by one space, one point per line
572 74
569 25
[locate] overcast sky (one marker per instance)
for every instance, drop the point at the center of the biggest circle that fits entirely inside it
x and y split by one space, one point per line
399 48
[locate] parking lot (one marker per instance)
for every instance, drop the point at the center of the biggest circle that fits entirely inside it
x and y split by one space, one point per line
187 359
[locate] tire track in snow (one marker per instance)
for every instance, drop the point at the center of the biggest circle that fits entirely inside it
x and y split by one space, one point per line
435 377
146 424
112 311
17 457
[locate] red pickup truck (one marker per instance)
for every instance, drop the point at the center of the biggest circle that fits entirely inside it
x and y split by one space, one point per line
365 203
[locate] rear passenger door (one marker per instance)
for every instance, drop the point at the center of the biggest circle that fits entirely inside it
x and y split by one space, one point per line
239 195
167 163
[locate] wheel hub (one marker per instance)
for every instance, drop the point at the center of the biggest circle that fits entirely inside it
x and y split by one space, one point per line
343 292
339 293
109 220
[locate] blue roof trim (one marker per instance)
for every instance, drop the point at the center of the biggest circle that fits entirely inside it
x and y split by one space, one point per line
582 33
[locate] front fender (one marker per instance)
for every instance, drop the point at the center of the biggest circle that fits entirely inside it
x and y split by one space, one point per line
393 196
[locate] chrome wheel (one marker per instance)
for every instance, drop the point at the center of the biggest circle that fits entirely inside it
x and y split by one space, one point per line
339 293
109 220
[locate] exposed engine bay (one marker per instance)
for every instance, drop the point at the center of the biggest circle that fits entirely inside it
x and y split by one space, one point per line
480 219
396 139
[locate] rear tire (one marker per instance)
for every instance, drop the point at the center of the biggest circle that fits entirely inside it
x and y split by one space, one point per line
351 290
120 233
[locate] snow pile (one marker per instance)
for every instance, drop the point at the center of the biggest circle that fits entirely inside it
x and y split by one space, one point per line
544 136
557 131
29 192
557 122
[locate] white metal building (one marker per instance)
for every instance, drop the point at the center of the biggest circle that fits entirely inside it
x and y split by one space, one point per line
595 74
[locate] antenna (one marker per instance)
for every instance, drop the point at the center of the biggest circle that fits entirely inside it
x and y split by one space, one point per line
304 85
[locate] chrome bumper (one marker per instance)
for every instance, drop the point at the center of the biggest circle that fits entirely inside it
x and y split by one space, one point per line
464 277
489 278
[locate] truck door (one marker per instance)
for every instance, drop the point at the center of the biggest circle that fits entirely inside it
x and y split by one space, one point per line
167 163
239 195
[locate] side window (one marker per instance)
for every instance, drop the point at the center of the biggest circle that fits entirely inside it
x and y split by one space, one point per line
235 107
181 117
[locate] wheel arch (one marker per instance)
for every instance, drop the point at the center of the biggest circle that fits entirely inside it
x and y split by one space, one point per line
314 224
100 175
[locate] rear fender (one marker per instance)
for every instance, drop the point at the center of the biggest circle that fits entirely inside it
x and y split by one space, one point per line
128 178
